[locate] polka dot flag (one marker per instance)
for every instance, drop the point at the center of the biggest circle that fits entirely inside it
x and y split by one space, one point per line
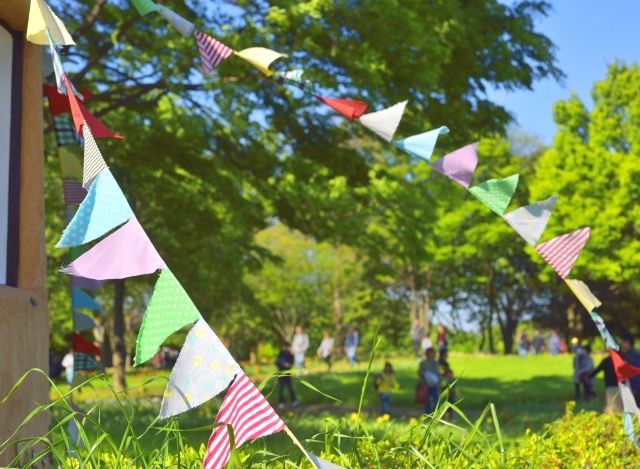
104 208
204 369
170 309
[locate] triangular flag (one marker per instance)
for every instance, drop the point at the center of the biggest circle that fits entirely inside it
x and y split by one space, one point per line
84 362
41 19
82 345
496 193
609 342
170 308
459 165
260 58
69 163
212 51
421 145
144 6
531 220
584 295
184 27
73 191
104 208
80 299
562 251
349 108
83 117
65 131
294 77
82 322
204 369
58 102
624 370
385 122
322 464
248 413
127 252
93 160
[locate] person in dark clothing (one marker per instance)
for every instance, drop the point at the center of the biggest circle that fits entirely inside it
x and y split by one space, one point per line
632 357
284 362
612 393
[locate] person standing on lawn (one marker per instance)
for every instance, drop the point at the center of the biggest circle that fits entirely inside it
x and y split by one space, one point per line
611 390
299 346
441 339
417 334
631 356
429 374
351 341
385 383
582 367
325 350
284 362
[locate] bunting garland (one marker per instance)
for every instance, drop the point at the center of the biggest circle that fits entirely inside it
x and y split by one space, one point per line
104 208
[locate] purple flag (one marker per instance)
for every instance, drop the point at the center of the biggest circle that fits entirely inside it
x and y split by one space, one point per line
126 252
459 165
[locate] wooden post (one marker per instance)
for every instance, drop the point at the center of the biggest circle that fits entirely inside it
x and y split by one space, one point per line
24 321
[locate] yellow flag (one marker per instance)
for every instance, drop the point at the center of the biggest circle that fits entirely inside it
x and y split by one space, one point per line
260 58
41 18
584 295
70 164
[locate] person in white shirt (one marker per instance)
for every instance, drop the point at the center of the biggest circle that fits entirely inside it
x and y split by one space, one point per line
325 350
67 363
299 346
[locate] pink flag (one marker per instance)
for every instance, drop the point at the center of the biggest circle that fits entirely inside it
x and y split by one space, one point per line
459 165
249 414
562 251
126 252
212 52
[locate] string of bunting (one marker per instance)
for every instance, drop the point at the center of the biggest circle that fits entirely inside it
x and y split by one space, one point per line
105 208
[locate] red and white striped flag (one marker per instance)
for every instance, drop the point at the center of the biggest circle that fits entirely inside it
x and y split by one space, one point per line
212 52
562 251
249 414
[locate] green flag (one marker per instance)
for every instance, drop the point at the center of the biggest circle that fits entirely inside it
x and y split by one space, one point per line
496 193
144 6
170 309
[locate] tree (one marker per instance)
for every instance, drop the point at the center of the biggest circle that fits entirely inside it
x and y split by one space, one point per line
594 165
207 162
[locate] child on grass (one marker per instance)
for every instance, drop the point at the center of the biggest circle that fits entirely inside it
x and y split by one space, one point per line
429 373
385 383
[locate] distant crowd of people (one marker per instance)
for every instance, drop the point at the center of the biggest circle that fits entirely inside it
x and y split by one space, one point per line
538 344
435 376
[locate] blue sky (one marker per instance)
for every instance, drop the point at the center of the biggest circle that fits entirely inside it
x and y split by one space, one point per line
589 35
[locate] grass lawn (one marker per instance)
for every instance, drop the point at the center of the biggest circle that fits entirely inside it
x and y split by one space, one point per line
527 392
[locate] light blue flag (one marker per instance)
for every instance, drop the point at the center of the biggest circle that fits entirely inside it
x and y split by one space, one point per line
82 322
421 145
80 299
203 370
104 208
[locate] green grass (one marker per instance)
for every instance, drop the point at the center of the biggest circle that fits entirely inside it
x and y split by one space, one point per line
527 392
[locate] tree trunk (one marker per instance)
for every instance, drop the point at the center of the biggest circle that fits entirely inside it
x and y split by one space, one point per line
119 347
507 336
491 299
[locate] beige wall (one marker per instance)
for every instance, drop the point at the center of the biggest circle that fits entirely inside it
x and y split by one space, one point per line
24 321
